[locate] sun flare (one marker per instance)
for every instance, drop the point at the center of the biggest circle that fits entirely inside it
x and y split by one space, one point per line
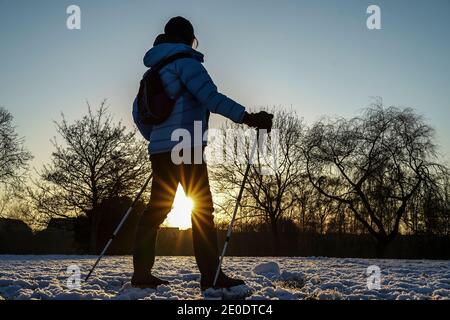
180 216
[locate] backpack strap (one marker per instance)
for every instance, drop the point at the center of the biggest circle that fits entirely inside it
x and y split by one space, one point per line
171 59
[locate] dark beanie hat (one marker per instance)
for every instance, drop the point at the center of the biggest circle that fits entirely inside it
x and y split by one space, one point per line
181 28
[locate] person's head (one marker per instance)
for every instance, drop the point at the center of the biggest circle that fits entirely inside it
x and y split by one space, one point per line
181 30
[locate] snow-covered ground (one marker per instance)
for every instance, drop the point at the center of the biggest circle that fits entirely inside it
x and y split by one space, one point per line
45 277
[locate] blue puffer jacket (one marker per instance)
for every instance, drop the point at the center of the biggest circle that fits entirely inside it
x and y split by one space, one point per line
188 80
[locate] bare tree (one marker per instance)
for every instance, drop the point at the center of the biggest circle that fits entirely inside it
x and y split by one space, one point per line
267 197
429 211
379 160
14 157
98 160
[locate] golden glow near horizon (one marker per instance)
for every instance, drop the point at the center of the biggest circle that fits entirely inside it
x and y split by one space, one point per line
180 215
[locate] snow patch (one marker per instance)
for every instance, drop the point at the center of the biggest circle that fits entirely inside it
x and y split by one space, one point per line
44 277
268 269
233 293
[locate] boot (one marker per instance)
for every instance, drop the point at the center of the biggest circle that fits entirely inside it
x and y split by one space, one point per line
204 238
144 258
223 281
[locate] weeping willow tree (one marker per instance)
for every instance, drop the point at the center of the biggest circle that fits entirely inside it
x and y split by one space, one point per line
380 161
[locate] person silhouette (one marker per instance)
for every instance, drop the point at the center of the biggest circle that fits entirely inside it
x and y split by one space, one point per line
186 81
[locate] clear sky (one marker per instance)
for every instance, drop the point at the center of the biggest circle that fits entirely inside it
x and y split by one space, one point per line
316 56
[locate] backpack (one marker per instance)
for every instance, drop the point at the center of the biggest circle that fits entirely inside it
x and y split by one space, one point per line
153 104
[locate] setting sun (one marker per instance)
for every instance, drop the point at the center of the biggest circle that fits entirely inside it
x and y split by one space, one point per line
180 216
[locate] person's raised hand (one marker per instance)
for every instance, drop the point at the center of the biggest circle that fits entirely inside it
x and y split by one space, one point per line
260 120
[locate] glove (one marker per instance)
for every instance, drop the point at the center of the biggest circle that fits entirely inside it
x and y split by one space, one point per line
260 120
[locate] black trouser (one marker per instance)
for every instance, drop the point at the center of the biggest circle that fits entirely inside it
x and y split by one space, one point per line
195 182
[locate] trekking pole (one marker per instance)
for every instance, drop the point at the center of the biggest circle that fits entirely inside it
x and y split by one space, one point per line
238 200
116 231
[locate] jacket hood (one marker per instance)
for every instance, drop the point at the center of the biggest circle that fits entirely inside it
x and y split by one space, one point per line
165 50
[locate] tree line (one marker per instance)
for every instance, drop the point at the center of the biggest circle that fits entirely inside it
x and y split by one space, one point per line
376 174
